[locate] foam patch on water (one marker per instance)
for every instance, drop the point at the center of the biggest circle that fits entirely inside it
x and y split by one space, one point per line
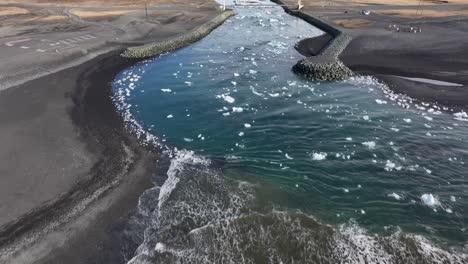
182 158
319 156
461 116
395 196
250 238
430 200
123 90
193 198
369 144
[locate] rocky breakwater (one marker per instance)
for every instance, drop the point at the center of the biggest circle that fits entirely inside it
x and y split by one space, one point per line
153 49
325 66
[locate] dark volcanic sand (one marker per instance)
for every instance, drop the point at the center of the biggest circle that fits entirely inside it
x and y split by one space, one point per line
101 129
63 141
439 52
313 46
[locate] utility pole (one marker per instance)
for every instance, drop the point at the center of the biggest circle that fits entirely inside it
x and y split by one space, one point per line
146 9
224 5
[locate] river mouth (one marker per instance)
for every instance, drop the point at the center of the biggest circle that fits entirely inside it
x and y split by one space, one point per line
324 171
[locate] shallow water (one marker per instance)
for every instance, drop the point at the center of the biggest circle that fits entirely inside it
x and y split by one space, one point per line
268 167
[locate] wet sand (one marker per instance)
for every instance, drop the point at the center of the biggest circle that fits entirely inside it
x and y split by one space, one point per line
71 173
438 52
119 173
313 46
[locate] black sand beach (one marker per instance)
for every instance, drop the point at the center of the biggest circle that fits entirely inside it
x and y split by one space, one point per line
121 168
61 132
71 172
438 52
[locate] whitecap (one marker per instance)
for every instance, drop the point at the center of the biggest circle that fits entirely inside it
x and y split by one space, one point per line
319 156
389 166
369 144
228 98
430 200
237 109
394 195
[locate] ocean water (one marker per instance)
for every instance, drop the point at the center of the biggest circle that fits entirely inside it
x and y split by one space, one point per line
266 167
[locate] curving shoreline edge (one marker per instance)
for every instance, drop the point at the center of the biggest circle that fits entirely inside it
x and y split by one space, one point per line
326 66
157 48
121 155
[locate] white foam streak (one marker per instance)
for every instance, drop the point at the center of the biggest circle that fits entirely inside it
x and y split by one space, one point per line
181 158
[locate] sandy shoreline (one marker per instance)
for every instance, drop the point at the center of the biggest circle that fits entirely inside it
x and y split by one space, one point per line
67 150
99 134
116 180
438 52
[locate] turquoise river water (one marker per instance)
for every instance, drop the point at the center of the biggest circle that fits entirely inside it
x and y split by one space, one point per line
266 167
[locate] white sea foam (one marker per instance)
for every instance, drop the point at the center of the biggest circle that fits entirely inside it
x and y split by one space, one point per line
159 247
319 156
461 116
182 157
389 166
394 195
430 200
166 90
237 109
228 98
369 144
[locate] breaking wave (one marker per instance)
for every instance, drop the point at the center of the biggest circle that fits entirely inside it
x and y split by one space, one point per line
200 216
